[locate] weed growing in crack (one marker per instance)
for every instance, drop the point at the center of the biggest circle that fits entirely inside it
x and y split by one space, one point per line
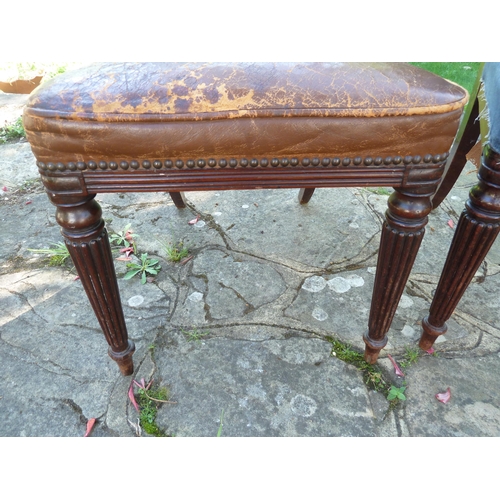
124 238
174 249
149 401
373 379
411 356
58 254
194 335
30 186
396 393
143 268
372 376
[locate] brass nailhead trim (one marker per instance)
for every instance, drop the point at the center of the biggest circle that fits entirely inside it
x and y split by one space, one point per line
244 162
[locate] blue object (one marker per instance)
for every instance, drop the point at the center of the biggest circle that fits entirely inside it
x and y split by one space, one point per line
491 82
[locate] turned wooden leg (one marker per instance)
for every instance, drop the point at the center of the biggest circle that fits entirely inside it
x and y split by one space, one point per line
178 199
476 231
400 240
305 194
87 241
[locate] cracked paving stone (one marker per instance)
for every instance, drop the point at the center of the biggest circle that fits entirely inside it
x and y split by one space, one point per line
32 397
28 226
278 387
277 227
62 349
236 284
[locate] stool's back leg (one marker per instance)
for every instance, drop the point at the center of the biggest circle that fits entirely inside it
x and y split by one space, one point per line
476 231
178 199
88 244
305 194
400 240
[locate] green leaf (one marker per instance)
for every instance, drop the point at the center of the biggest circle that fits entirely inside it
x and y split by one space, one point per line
391 396
131 274
401 396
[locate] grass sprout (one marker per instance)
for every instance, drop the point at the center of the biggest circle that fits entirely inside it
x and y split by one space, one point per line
58 254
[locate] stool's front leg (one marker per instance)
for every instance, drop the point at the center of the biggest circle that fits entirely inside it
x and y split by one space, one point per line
400 240
88 244
476 231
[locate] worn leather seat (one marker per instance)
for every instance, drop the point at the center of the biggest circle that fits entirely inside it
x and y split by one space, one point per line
116 127
220 115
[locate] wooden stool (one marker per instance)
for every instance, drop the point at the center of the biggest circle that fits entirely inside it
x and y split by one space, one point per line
186 127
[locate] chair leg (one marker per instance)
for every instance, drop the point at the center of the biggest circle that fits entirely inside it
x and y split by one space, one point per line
87 241
401 236
305 194
178 199
476 231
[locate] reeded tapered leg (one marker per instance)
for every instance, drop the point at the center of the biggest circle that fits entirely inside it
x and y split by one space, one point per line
400 240
476 231
87 241
305 194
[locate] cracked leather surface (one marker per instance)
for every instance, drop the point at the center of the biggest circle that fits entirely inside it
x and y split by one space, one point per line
159 110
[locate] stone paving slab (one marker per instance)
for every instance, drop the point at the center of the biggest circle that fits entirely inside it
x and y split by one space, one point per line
281 385
270 282
474 409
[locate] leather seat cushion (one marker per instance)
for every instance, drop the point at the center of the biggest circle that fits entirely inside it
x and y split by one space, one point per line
112 112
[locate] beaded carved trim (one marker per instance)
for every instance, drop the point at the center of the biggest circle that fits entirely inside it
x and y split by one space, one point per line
222 163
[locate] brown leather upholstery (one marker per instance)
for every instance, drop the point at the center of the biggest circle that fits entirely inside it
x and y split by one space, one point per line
201 112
